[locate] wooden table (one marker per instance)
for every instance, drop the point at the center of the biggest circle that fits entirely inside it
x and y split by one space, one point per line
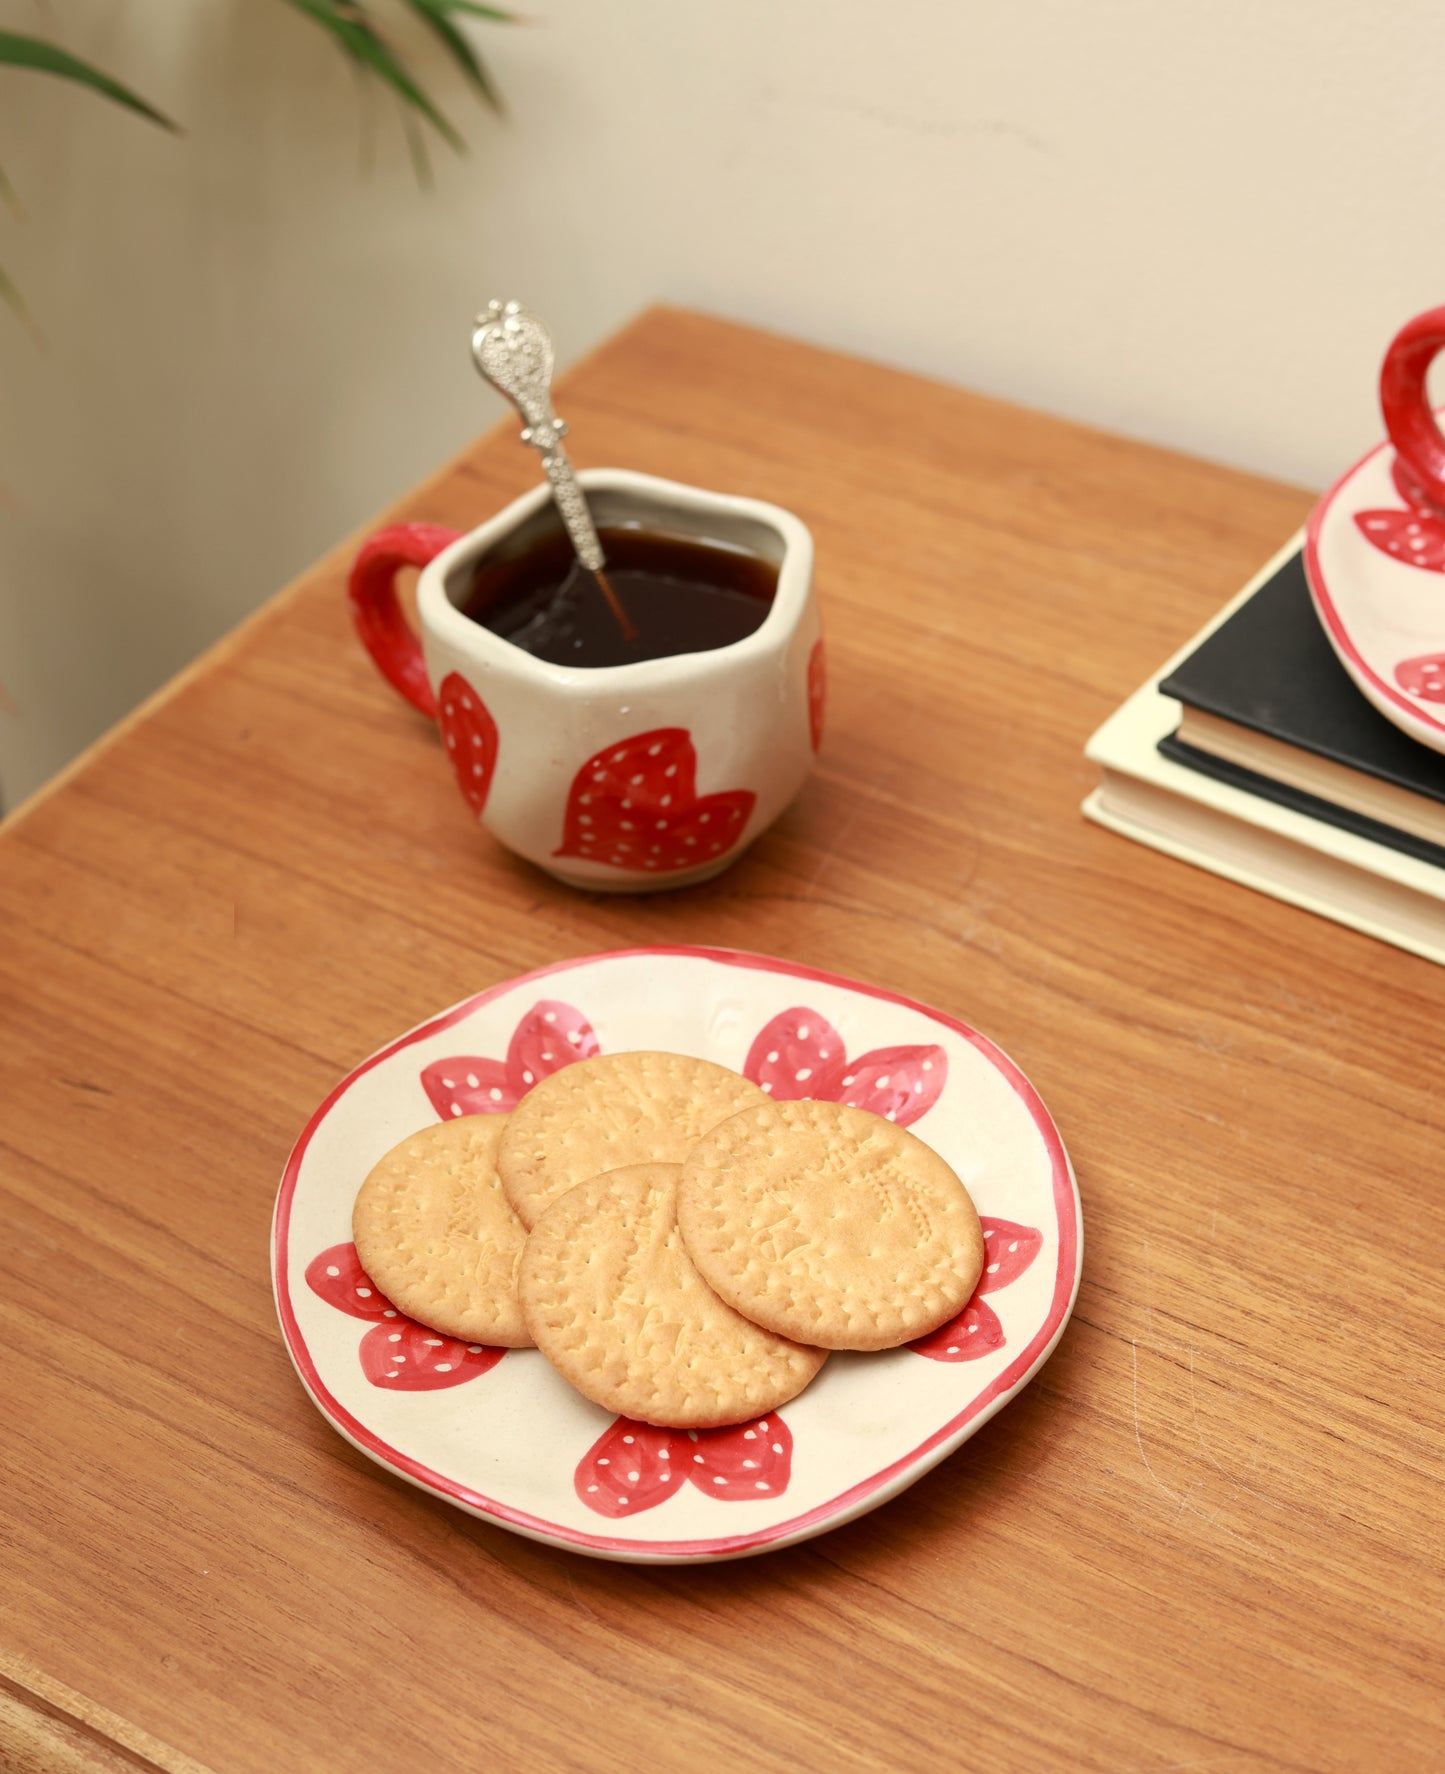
1207 1536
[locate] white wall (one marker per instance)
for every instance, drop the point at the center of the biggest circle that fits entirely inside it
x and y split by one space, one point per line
1197 223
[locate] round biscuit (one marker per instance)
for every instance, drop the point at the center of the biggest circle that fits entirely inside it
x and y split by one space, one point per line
611 1110
614 1302
829 1225
436 1233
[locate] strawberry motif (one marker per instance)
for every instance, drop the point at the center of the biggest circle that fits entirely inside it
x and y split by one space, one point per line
817 692
1008 1249
407 1357
1423 677
800 1054
634 1466
740 1464
636 806
629 1468
338 1277
975 1331
1416 537
899 1083
551 1035
467 1085
470 736
396 1352
797 1055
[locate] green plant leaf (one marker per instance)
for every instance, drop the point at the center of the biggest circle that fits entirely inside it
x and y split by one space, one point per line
15 302
347 22
494 13
416 148
10 197
435 15
17 51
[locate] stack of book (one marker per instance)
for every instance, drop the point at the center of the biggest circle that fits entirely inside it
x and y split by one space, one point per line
1253 754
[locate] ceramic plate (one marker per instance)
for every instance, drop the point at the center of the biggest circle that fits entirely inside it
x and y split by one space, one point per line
1375 556
500 1434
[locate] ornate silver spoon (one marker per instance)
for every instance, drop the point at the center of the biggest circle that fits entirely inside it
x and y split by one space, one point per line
513 351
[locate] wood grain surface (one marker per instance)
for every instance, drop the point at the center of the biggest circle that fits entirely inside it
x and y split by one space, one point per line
1207 1536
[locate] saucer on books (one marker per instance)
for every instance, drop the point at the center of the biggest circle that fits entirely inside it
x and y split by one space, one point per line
1253 753
1376 571
1375 549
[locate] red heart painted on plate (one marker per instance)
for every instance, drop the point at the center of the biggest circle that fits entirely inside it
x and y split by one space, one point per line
635 806
466 1084
398 1352
796 1055
470 736
627 1469
1423 677
338 1277
975 1331
800 1054
740 1464
1008 1249
405 1356
551 1035
1415 537
899 1083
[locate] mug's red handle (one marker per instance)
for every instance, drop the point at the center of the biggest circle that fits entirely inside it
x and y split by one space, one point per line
1406 405
384 630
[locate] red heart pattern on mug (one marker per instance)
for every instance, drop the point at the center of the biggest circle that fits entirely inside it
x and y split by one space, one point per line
470 736
635 805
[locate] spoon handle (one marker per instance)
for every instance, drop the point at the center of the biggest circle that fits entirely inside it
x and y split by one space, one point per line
513 351
573 505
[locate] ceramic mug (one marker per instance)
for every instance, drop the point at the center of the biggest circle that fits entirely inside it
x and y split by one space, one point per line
622 778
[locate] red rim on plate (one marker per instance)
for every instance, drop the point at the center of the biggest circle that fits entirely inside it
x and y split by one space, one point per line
848 1503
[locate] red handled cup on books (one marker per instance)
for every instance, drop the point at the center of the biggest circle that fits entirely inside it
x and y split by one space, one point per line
623 777
1375 548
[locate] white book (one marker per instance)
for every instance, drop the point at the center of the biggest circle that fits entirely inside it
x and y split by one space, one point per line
1274 849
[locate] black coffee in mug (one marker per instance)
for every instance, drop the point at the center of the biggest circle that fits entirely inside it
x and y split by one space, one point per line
682 594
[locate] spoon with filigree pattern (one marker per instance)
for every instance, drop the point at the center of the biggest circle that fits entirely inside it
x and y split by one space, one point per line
513 351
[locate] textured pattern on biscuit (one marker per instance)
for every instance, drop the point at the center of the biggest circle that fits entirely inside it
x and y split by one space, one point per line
829 1225
614 1109
434 1230
614 1302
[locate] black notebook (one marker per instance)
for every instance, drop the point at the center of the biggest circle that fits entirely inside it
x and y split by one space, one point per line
1269 709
